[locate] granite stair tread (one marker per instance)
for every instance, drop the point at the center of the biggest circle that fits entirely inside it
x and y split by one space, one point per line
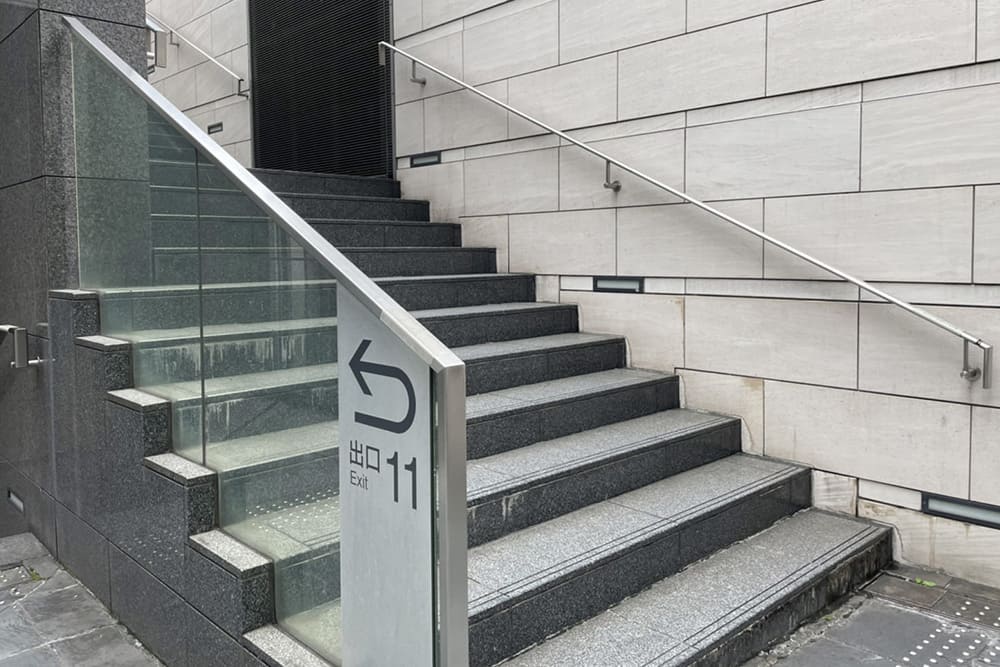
528 345
484 406
500 474
490 309
249 383
515 567
233 330
684 617
294 532
297 195
257 451
192 288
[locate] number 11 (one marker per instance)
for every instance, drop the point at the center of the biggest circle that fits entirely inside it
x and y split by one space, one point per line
411 467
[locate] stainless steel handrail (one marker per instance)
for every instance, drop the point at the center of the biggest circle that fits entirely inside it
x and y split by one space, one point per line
173 32
968 372
449 385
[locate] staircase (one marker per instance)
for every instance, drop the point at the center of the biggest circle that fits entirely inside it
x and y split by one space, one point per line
607 525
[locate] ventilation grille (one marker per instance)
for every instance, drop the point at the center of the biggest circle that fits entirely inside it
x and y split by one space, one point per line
321 100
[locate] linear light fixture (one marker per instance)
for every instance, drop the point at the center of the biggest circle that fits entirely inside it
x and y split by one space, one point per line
425 159
980 514
619 284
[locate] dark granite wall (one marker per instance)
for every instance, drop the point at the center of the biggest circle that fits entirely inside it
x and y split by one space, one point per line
38 239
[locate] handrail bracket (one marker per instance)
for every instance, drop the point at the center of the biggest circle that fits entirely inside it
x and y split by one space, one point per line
968 372
413 75
614 186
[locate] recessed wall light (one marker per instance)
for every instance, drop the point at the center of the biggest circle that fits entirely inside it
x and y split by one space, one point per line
980 514
618 284
425 159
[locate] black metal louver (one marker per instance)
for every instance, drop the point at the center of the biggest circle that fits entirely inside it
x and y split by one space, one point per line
321 101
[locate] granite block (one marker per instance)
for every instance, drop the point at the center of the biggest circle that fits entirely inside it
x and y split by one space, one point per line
20 133
207 644
57 81
114 233
153 612
13 13
235 604
131 12
84 551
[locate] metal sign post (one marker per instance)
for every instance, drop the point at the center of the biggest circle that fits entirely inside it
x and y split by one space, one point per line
387 559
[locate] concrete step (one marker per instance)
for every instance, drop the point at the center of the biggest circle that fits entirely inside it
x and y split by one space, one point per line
490 323
504 420
249 404
304 544
526 486
125 310
259 232
234 265
494 366
419 293
275 471
218 350
531 584
186 174
726 609
177 200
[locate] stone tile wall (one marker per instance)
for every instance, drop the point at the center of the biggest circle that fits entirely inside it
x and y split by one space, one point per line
866 133
196 85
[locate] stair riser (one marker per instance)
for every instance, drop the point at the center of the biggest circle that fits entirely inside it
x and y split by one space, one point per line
328 185
811 599
271 487
496 517
217 266
164 150
475 329
503 373
208 176
191 202
171 311
308 583
526 622
510 430
161 364
229 417
180 232
474 292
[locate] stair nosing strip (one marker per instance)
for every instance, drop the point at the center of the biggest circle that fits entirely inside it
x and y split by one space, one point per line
790 585
519 590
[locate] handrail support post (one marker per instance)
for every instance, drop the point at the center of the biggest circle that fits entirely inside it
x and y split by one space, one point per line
614 186
987 364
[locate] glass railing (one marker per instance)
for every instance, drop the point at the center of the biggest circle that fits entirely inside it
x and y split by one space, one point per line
335 421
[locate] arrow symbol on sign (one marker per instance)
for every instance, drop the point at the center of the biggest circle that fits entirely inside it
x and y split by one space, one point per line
358 367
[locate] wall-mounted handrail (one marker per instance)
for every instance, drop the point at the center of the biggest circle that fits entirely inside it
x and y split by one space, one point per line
968 372
174 33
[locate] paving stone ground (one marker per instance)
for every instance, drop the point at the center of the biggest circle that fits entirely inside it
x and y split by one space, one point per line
48 618
905 618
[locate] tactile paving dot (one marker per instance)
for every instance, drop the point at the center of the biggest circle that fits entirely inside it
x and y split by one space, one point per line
14 576
954 647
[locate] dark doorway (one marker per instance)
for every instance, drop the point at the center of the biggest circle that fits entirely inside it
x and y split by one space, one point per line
321 101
